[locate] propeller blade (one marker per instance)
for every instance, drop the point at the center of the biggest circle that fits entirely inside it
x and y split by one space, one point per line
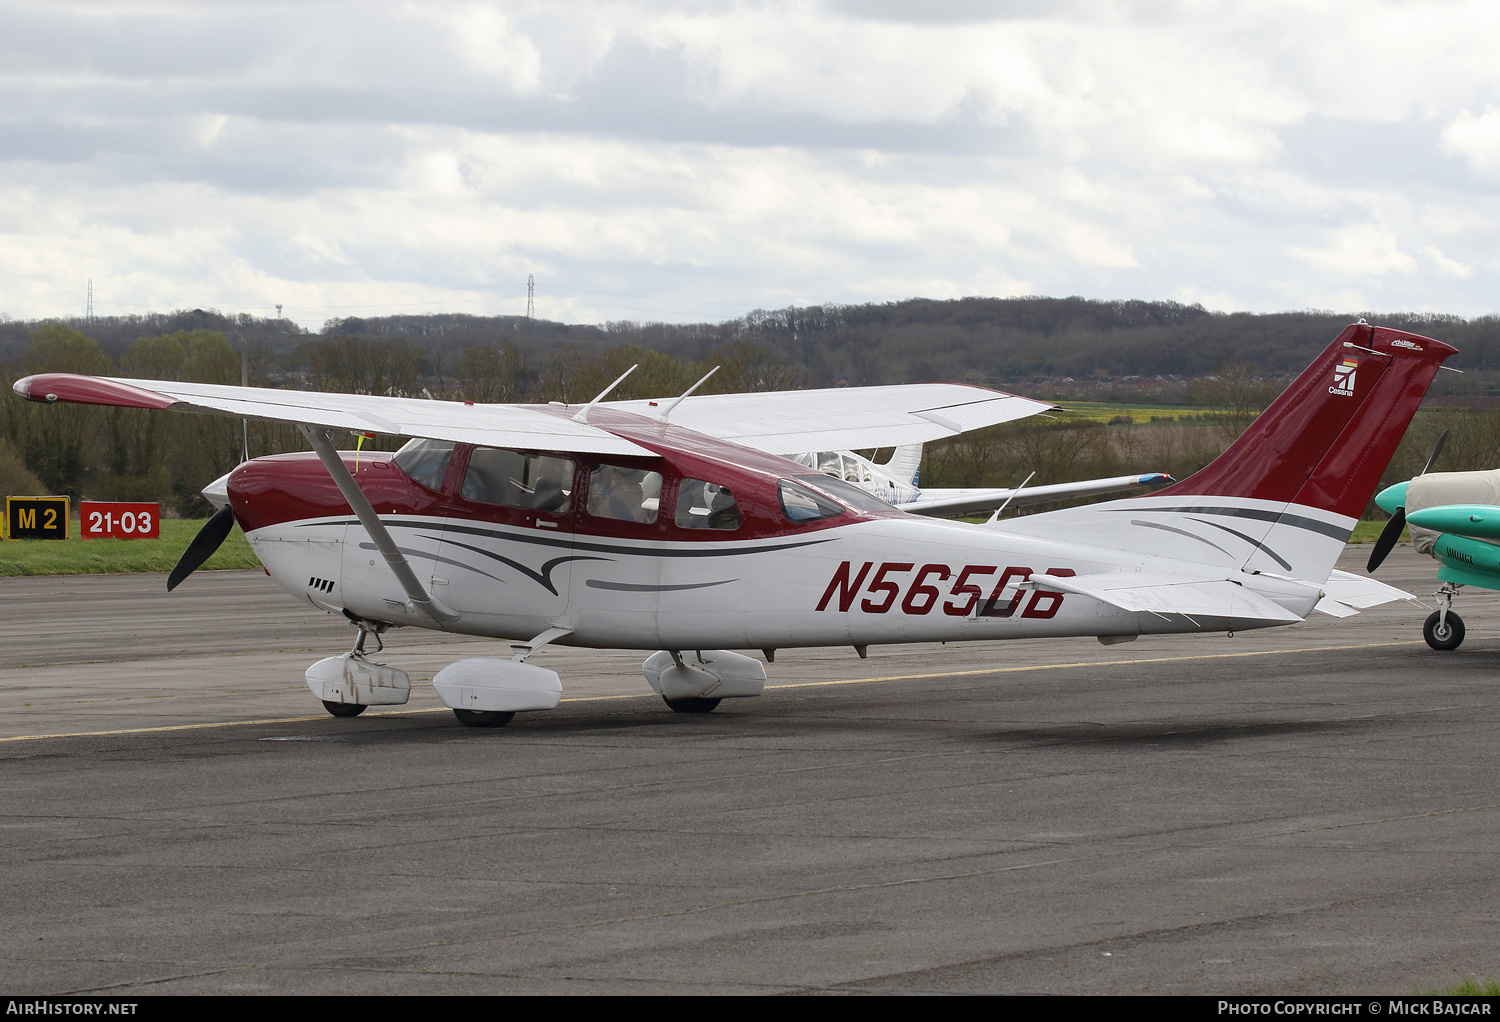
1387 540
1435 452
209 538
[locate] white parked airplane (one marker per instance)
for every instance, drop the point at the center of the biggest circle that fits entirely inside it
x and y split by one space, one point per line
895 482
682 529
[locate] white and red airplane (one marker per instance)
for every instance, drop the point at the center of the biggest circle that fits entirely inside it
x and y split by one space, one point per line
677 526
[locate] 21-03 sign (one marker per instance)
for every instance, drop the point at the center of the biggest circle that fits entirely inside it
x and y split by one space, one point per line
99 519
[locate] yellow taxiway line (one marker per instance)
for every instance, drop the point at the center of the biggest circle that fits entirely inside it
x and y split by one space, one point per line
791 685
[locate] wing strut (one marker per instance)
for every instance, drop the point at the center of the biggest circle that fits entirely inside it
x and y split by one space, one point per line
419 596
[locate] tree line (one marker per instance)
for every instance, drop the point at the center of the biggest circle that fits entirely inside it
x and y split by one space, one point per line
131 454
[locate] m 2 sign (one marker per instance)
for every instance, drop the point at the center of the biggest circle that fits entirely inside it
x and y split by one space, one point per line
36 517
100 519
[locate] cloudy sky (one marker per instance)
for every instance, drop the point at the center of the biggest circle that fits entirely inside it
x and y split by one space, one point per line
691 161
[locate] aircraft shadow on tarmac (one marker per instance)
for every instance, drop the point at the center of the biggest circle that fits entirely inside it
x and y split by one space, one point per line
1177 734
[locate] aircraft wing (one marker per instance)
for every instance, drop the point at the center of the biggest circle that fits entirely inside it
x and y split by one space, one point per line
795 421
491 425
1170 594
954 503
1347 594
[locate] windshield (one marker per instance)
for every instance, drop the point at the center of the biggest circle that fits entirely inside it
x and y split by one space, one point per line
425 461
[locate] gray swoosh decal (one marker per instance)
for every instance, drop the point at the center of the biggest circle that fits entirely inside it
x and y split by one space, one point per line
1252 541
1337 532
444 560
633 587
567 542
1181 532
542 575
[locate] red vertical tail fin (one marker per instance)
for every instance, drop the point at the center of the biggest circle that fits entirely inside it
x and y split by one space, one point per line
1325 442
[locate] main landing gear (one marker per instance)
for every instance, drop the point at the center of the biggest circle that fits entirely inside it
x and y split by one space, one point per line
691 705
366 630
1444 629
483 718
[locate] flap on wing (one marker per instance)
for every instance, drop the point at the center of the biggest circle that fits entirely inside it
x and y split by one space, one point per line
1359 592
492 425
1163 595
793 422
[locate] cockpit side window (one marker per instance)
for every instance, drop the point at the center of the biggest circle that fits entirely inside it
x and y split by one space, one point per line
536 481
856 497
425 462
624 494
801 504
705 505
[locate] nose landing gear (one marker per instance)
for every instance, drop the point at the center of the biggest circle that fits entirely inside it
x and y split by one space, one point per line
1444 629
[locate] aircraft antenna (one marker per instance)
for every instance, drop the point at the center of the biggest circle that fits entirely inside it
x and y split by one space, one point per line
995 517
668 410
530 298
583 413
245 382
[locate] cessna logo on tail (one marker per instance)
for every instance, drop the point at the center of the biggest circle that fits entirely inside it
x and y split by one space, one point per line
1343 378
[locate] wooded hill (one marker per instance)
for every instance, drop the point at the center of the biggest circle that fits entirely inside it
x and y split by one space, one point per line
1233 365
995 341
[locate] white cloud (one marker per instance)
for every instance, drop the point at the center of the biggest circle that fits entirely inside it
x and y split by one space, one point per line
1360 250
748 153
1476 139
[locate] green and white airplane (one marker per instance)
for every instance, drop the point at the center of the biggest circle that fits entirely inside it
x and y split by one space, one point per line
1454 518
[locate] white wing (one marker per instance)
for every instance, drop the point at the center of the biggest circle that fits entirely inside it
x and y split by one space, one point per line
492 425
796 421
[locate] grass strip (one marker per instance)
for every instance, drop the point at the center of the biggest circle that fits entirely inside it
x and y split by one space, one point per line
75 556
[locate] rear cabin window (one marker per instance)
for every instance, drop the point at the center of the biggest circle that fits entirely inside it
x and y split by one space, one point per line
535 481
624 494
425 461
705 505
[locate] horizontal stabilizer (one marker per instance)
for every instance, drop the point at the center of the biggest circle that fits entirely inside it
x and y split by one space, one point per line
1168 594
1356 593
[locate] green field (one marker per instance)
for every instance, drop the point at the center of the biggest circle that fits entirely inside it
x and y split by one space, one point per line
1104 411
76 556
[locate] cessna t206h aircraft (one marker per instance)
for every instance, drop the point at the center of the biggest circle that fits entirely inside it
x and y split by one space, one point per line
678 527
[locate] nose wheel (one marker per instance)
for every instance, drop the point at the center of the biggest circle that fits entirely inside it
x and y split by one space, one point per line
1444 629
1443 632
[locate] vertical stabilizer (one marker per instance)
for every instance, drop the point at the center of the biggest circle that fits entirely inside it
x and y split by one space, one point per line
904 463
1284 497
1326 440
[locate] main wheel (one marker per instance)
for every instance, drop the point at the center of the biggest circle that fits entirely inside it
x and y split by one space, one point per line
344 709
1448 636
691 705
483 718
